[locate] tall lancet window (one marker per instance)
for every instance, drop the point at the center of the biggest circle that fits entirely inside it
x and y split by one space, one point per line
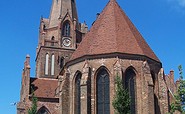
102 92
77 94
61 62
66 29
130 83
53 64
47 64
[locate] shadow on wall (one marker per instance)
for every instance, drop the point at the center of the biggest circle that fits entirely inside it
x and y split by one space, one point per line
157 108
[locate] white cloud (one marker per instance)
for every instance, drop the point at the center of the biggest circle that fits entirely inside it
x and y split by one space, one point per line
181 3
178 3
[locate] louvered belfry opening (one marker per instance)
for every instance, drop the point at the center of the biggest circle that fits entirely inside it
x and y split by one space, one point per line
66 29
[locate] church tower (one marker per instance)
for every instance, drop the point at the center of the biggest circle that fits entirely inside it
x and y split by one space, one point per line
80 79
59 37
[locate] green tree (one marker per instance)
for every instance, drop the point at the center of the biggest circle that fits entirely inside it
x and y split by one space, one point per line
33 109
179 103
121 102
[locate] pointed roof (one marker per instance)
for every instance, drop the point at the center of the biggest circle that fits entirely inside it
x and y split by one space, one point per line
113 32
60 8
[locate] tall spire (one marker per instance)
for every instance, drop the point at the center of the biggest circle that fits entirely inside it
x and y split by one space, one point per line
60 8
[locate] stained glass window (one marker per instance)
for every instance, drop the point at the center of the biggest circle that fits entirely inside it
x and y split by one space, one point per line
130 85
77 94
103 92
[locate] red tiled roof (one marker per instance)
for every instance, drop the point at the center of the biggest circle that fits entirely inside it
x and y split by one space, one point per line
113 32
44 88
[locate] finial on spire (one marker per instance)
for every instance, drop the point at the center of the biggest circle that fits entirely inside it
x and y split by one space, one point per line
112 0
41 17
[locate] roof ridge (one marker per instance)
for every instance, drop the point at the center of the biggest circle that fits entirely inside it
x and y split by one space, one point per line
129 21
113 32
137 35
115 3
131 26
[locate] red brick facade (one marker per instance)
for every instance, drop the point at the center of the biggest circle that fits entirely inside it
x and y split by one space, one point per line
113 44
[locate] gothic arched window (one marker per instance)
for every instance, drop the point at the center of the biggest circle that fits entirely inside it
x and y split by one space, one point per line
53 41
66 29
102 92
53 64
61 62
130 84
78 93
43 110
46 64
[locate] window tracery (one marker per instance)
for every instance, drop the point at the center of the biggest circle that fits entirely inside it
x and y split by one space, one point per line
103 92
130 83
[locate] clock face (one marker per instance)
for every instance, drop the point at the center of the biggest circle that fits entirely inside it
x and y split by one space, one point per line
66 42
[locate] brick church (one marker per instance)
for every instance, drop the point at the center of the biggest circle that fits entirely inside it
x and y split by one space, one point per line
76 67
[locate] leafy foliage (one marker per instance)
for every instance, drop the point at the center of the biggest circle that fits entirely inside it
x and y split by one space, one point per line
33 109
121 102
179 103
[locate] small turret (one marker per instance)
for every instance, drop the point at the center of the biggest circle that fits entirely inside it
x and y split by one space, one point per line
172 75
25 80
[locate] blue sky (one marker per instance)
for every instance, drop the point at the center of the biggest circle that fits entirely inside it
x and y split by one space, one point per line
161 23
